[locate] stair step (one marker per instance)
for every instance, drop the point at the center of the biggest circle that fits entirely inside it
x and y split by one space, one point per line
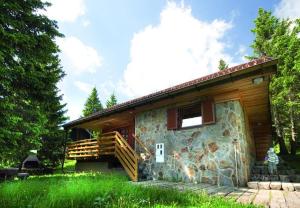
283 178
274 185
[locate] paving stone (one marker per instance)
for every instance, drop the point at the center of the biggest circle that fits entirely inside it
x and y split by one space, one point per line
296 186
225 190
262 198
287 186
277 199
264 185
247 197
236 193
275 185
268 198
292 199
253 184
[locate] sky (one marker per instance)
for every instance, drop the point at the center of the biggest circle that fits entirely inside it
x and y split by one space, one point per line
136 47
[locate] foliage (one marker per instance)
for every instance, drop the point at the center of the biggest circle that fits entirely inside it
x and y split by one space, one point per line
111 101
92 104
279 38
222 65
99 190
29 71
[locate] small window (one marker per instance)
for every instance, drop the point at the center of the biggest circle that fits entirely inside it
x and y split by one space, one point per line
190 116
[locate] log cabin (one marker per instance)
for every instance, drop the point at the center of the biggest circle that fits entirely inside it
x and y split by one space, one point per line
211 129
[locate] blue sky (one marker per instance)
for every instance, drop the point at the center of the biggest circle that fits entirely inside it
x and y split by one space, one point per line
135 47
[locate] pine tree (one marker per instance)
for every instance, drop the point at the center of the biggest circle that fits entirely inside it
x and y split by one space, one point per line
279 39
92 104
111 101
30 106
222 65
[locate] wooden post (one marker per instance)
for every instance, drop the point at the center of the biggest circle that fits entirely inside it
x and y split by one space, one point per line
64 154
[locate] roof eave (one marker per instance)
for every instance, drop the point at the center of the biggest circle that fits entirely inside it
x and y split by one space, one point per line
200 86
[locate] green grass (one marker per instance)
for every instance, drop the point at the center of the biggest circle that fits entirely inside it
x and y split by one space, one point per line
69 166
98 190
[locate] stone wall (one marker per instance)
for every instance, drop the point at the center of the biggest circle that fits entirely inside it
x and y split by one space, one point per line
201 154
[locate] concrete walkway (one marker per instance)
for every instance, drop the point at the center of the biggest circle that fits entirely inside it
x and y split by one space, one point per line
267 198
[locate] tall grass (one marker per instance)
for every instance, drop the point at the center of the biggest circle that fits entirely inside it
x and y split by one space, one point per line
97 190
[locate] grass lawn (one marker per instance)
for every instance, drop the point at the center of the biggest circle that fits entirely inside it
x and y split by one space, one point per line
97 190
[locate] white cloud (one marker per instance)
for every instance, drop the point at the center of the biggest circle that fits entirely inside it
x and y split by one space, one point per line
178 49
78 57
83 86
288 9
65 10
86 23
242 53
74 108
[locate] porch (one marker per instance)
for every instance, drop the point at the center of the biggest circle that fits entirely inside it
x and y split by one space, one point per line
108 144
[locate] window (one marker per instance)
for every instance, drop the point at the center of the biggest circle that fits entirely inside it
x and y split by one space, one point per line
190 116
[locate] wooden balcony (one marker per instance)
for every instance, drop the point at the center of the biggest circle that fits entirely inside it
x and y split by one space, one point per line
111 143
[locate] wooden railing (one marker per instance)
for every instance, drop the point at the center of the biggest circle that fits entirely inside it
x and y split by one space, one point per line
141 144
111 143
127 156
83 149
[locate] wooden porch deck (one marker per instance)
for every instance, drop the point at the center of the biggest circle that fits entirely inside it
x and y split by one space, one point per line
111 143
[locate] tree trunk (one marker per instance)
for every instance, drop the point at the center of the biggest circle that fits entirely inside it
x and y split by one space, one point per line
64 151
279 134
293 133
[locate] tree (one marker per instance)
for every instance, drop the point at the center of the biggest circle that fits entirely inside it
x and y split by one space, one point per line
111 101
222 65
30 107
279 38
92 104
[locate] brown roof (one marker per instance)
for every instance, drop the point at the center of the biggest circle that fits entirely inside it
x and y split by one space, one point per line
173 90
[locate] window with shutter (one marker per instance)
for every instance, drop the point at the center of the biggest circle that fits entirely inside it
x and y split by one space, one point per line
190 116
208 112
172 120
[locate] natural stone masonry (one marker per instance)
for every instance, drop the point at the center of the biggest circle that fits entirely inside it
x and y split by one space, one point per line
203 154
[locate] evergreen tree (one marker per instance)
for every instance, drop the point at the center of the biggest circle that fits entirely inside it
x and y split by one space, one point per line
30 106
222 65
279 38
92 104
111 101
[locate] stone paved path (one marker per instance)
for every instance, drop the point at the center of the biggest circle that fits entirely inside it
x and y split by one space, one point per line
267 198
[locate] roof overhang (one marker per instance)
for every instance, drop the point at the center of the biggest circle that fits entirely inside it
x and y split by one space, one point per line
258 66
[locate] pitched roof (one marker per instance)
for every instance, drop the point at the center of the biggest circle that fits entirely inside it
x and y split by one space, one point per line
172 90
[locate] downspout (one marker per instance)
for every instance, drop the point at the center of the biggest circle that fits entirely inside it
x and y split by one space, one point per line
64 152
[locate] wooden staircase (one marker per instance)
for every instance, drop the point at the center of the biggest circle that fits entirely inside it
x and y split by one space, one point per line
263 139
111 143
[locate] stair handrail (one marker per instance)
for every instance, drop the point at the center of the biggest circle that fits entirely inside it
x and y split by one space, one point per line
131 157
139 141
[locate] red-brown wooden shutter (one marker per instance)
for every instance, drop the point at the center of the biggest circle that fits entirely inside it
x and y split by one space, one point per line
172 118
208 112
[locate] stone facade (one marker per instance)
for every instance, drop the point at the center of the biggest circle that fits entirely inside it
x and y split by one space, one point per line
201 154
